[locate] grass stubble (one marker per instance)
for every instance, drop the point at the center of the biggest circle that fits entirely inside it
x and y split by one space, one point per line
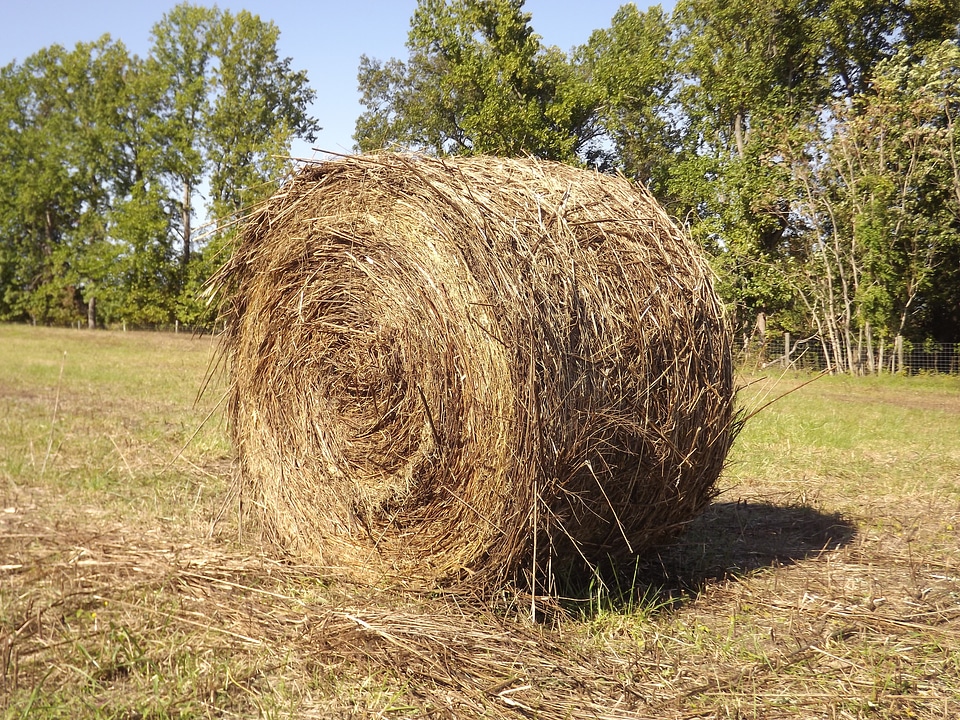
822 583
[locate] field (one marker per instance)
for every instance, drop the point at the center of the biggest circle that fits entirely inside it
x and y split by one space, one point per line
823 583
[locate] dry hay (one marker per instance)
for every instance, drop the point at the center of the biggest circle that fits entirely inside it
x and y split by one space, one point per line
472 371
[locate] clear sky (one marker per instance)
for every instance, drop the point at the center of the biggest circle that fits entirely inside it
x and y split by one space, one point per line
325 37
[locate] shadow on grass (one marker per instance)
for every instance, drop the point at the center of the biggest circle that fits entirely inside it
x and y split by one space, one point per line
732 539
729 540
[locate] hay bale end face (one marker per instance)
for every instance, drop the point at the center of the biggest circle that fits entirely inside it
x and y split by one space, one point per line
472 370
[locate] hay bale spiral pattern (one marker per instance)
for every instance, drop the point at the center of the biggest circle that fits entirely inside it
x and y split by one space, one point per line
472 370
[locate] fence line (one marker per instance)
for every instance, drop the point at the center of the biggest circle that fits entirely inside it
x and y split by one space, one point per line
176 327
893 356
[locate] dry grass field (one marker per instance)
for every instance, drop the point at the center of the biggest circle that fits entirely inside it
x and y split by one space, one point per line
823 583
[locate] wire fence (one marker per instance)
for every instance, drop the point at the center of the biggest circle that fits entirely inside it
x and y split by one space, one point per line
175 327
893 356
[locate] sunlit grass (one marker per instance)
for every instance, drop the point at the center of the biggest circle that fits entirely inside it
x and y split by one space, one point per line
850 436
103 416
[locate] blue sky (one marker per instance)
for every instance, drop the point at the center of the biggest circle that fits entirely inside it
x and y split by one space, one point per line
325 38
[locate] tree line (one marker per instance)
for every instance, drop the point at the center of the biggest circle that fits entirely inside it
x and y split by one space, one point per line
107 159
811 147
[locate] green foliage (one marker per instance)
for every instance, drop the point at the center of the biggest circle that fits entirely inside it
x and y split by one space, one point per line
477 81
884 205
63 110
760 140
104 153
856 35
744 64
749 78
181 56
811 147
145 278
633 67
259 103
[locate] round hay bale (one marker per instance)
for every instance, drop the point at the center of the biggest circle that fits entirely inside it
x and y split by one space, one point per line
473 370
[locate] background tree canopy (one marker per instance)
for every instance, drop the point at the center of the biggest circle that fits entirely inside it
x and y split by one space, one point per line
105 155
811 147
478 81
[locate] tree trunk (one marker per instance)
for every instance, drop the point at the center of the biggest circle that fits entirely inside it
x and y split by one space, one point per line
738 133
185 212
92 313
848 339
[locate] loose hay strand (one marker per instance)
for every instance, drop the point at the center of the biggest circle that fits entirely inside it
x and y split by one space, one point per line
436 363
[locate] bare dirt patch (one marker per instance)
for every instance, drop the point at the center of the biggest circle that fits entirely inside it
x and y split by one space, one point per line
940 402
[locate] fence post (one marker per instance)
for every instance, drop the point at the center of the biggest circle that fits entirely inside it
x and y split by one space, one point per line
786 350
898 349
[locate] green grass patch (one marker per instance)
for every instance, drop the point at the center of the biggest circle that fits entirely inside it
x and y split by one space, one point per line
851 436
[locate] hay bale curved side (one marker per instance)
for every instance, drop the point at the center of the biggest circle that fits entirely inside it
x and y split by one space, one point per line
471 370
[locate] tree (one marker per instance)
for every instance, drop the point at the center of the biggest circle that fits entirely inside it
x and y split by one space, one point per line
104 155
228 114
750 79
763 86
634 69
59 143
147 271
856 35
145 278
883 204
259 103
28 193
477 80
181 57
745 65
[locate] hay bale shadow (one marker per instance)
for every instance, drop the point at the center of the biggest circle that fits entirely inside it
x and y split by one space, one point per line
733 539
728 540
